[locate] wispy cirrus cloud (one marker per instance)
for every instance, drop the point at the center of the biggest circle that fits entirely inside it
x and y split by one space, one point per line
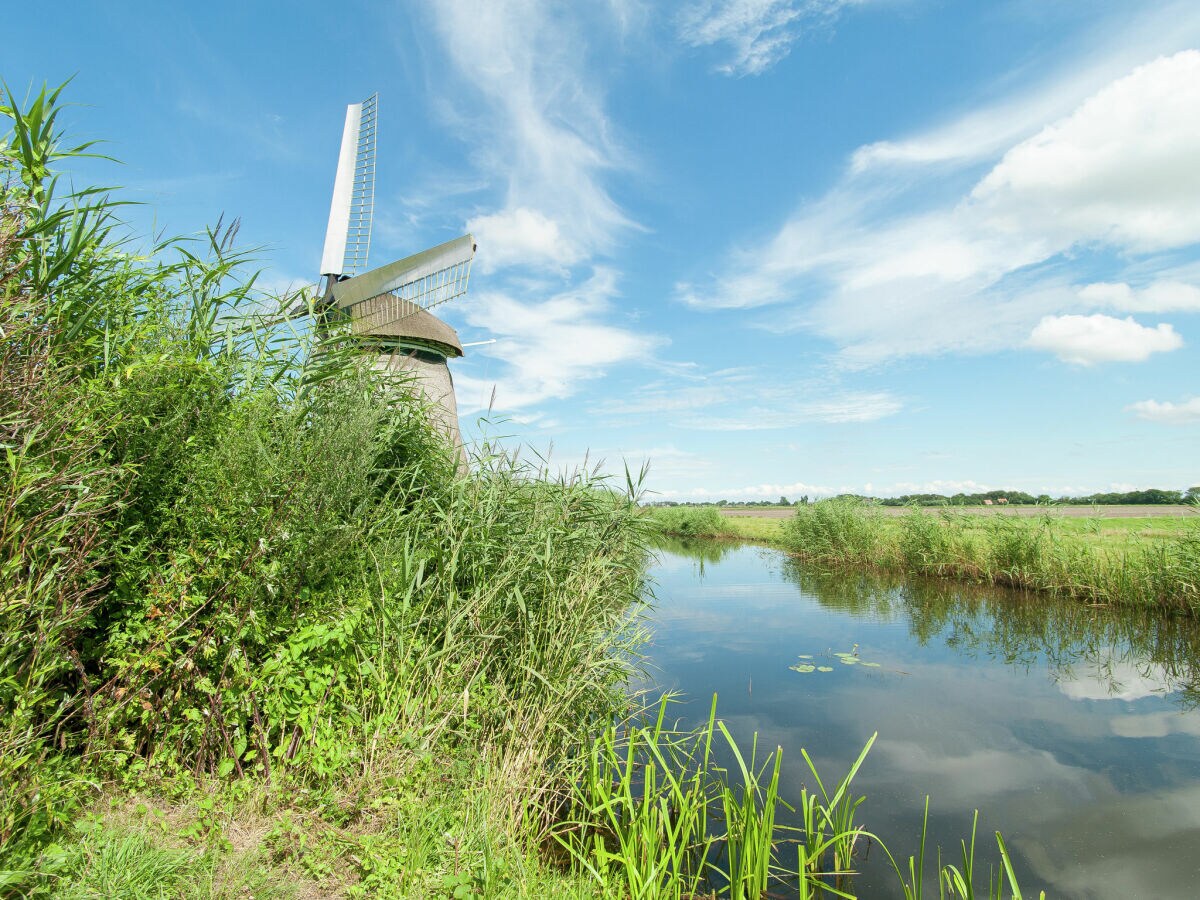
772 410
541 130
1157 297
543 141
546 348
757 33
747 399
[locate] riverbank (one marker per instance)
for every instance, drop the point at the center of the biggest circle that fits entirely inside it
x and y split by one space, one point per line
260 635
1139 561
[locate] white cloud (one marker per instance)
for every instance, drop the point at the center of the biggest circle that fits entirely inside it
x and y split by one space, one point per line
1110 677
854 407
545 348
541 129
521 237
781 409
1167 413
759 33
1120 169
1085 340
793 491
957 273
986 131
1160 296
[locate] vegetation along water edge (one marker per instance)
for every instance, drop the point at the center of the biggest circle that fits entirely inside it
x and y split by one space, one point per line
260 635
1146 561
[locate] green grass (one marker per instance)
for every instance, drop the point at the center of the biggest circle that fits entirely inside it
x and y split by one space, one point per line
1154 563
656 815
708 522
261 635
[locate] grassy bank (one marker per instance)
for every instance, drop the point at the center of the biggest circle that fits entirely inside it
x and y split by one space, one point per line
707 522
261 636
1145 562
1082 560
244 582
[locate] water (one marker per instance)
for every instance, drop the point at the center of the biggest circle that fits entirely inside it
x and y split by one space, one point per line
1073 729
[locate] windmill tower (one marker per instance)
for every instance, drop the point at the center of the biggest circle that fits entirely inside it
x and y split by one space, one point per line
388 307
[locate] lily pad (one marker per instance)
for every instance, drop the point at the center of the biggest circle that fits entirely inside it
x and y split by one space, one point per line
804 656
872 665
803 667
824 668
848 660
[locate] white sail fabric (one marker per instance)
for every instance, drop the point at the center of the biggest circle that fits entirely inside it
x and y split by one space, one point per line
348 235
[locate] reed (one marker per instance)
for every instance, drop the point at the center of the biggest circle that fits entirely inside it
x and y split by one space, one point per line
232 555
1042 553
690 521
655 814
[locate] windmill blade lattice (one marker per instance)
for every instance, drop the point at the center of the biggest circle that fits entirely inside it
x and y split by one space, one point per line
419 282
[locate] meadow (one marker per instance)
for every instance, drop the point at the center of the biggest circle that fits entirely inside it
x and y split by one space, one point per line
260 635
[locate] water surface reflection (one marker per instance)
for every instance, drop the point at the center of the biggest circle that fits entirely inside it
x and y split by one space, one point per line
1074 729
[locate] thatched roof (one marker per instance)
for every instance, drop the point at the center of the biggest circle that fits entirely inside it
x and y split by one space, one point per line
387 316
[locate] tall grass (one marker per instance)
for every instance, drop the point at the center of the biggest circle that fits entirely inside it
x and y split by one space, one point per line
242 574
689 521
1040 554
229 550
655 814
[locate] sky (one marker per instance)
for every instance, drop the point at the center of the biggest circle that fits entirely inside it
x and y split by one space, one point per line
772 247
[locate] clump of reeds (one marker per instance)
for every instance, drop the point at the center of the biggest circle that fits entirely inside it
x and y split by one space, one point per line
689 521
229 552
1036 553
654 814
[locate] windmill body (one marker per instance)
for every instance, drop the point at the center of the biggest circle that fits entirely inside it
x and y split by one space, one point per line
388 307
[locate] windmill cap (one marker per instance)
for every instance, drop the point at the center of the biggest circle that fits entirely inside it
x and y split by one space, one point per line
389 316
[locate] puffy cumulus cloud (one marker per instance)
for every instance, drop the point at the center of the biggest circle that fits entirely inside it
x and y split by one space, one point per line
982 133
1157 297
1085 340
758 33
521 237
546 348
1121 169
1167 413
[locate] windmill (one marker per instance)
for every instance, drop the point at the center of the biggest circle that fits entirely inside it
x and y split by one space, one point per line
388 307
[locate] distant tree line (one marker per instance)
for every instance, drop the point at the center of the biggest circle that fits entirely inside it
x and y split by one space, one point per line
1148 497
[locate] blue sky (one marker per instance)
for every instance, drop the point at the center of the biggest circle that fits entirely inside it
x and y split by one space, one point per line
773 246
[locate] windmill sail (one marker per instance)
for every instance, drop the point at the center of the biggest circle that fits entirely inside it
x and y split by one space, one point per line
348 235
400 289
